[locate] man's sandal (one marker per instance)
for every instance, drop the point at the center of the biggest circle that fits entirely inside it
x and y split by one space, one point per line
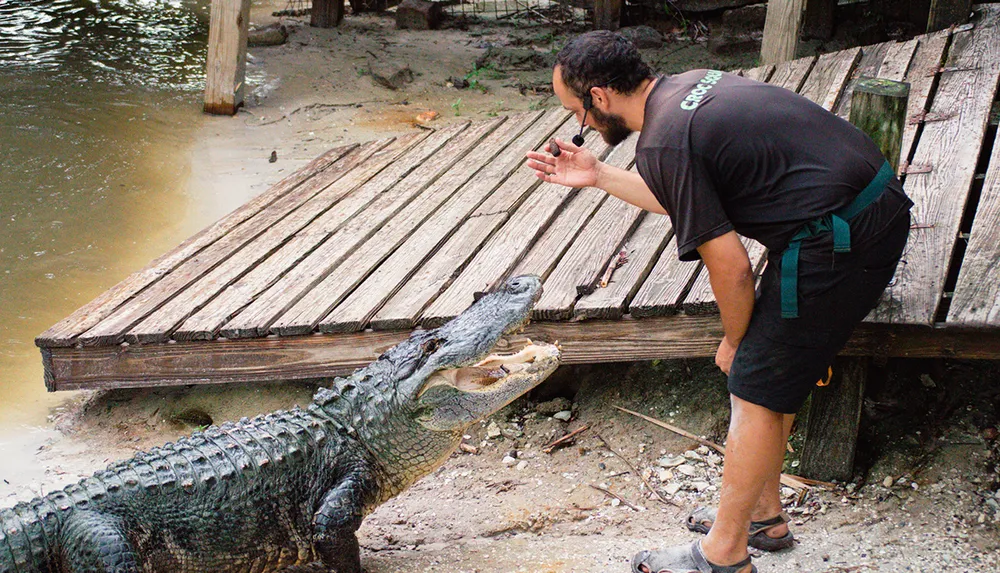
682 559
701 521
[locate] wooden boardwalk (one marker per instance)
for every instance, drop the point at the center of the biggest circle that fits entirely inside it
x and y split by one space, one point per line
343 258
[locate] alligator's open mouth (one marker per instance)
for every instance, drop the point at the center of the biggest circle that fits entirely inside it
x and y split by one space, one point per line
495 368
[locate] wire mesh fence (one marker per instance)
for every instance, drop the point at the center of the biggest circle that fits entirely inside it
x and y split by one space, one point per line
553 11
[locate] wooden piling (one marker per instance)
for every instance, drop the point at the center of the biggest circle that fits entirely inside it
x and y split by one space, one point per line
227 56
834 418
326 13
878 107
944 13
607 14
781 31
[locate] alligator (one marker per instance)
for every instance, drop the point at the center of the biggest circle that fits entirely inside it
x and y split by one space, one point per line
289 488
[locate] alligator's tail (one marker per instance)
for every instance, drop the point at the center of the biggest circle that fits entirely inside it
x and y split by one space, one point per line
28 534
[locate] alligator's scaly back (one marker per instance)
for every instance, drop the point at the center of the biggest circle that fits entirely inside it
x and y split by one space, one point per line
291 487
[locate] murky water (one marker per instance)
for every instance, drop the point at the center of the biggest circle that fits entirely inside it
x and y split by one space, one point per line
99 102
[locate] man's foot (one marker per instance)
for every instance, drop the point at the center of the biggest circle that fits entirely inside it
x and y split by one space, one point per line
684 559
767 535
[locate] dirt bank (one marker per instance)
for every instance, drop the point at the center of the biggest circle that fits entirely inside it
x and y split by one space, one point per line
926 494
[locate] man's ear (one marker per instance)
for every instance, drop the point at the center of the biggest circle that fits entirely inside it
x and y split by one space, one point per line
599 97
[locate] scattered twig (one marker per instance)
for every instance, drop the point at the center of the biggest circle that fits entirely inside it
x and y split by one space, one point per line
616 262
851 569
636 472
614 495
313 106
793 482
548 449
675 430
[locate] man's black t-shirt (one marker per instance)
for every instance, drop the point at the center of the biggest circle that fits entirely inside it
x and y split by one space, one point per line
721 152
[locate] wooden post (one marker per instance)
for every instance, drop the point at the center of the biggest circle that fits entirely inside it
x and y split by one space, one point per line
607 14
944 13
819 19
781 31
878 107
227 56
326 13
832 427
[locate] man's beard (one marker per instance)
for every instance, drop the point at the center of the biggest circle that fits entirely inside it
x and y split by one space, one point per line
611 126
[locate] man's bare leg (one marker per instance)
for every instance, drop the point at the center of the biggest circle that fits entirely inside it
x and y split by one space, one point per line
754 454
770 500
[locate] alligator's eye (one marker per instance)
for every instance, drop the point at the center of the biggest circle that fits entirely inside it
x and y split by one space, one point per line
431 346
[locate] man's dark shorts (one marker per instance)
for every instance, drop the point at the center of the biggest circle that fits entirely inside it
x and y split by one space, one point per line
780 360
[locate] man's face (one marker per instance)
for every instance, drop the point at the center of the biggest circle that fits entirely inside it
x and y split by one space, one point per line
611 126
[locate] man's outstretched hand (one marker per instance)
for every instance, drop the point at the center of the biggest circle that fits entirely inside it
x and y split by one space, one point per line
575 166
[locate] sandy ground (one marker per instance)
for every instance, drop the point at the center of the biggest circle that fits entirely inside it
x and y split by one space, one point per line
925 497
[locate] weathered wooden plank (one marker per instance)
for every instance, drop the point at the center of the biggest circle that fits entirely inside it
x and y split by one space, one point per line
791 75
593 248
410 254
206 322
549 248
322 356
256 254
499 255
587 258
828 77
523 182
781 30
897 60
951 147
868 66
666 285
977 293
760 74
416 195
462 191
644 247
391 275
112 329
64 332
920 75
701 299
414 294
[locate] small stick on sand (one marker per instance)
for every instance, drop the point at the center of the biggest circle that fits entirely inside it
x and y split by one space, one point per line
636 472
548 449
614 495
793 482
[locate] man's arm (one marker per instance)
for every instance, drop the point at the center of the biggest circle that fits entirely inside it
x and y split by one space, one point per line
627 186
731 276
578 167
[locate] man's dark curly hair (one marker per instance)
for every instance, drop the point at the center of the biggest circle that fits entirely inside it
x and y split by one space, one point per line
602 58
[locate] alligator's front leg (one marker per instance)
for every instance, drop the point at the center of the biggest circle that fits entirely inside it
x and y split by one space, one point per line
336 520
94 542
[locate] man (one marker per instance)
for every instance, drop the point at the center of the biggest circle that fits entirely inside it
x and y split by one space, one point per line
721 154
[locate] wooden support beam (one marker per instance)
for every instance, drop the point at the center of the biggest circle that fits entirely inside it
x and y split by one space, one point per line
607 14
946 13
878 108
326 13
781 31
832 426
324 355
227 56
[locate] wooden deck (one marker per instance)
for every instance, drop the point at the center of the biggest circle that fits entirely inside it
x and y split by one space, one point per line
342 259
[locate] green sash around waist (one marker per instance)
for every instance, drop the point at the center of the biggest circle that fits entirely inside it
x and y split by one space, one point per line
836 222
